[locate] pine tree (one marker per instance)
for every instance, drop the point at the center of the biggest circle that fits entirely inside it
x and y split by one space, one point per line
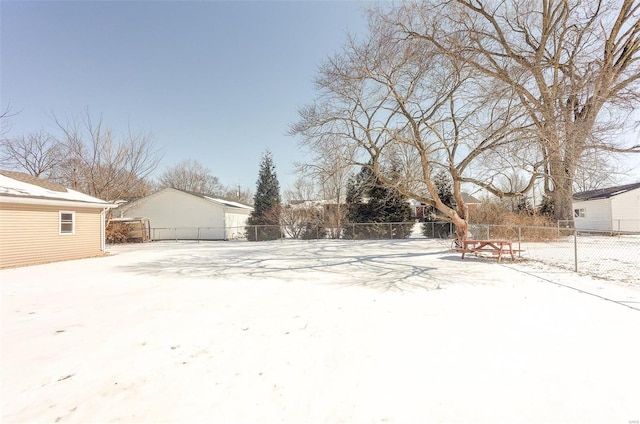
264 220
523 206
370 202
358 187
433 227
442 182
397 210
546 207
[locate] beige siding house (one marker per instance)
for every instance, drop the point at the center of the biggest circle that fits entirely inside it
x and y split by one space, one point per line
42 222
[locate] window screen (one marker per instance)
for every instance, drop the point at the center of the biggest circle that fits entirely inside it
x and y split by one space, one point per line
66 222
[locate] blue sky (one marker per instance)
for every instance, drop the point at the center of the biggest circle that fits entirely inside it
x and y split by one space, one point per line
215 81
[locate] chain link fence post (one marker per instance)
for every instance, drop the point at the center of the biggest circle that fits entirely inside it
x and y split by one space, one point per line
575 249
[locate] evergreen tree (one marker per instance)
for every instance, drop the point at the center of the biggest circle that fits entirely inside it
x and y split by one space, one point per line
264 220
523 206
442 182
358 209
433 225
547 207
396 209
370 202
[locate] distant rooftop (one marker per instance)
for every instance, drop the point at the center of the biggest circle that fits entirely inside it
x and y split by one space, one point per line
469 199
605 193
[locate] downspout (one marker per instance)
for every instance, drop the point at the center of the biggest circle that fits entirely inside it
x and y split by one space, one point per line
103 230
224 223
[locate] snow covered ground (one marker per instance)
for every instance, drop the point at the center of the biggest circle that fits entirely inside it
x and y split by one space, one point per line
326 331
615 258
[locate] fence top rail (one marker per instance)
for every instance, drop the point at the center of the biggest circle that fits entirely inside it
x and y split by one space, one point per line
536 227
187 228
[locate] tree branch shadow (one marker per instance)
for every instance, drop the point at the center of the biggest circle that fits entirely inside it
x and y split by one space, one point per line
333 262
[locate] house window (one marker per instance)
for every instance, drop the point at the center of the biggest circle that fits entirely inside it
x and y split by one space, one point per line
578 213
67 222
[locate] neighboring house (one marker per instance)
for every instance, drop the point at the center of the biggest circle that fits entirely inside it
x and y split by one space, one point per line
608 209
418 210
41 221
470 200
176 214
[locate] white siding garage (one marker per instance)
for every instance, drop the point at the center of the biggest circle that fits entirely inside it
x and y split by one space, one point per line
609 209
592 214
625 210
176 214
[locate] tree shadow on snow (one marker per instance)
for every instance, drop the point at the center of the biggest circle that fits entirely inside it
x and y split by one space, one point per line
330 262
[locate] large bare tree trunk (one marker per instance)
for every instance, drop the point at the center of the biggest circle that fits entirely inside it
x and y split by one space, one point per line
564 60
394 101
460 219
561 171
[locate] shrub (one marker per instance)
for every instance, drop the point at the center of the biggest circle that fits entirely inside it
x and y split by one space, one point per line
117 232
314 230
504 223
263 232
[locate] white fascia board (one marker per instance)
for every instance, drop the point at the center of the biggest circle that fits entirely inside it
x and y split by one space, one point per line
55 202
237 210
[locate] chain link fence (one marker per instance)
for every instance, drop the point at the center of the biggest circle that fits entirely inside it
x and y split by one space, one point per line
608 254
614 255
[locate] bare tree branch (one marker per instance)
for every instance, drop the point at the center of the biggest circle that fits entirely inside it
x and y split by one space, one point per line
565 60
191 175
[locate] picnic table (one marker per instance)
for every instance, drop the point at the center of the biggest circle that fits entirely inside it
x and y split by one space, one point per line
493 247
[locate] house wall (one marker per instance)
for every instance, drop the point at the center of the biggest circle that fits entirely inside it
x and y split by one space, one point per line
236 221
29 234
625 213
177 215
597 214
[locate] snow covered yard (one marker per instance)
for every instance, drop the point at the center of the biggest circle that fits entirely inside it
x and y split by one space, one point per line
614 258
315 332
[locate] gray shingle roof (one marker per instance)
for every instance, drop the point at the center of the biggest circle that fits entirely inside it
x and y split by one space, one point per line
30 179
605 193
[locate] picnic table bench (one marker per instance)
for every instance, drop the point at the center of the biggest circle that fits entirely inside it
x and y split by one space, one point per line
493 247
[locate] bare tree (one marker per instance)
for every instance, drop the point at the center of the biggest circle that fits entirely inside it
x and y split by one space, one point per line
330 165
99 165
574 67
298 217
38 154
239 194
595 172
398 104
302 209
5 125
303 189
191 175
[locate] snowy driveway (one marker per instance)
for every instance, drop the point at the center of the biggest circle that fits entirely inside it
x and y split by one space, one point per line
314 332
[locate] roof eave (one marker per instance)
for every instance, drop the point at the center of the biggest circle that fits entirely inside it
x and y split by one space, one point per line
54 202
